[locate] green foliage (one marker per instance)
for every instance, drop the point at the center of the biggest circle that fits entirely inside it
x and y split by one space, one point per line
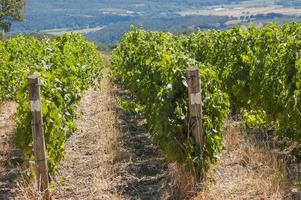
254 118
10 10
66 66
259 68
152 66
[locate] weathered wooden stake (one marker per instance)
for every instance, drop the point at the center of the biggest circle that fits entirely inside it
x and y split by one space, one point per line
38 136
195 105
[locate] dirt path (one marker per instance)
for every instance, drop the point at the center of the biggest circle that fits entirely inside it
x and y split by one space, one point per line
141 170
83 172
9 156
111 155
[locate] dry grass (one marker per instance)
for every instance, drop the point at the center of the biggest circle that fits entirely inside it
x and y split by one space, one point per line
184 181
85 172
246 171
27 189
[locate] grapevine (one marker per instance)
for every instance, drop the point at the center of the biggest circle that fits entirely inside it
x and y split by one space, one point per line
67 66
152 65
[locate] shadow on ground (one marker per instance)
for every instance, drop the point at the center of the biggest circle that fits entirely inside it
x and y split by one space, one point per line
142 170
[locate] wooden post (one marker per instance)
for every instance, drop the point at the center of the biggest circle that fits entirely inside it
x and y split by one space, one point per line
38 136
195 105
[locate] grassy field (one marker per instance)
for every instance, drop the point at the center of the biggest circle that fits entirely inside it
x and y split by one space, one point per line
242 10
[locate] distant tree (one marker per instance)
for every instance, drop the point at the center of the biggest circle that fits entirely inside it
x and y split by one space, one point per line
10 10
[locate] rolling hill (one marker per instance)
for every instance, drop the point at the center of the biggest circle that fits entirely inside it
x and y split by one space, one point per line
104 21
